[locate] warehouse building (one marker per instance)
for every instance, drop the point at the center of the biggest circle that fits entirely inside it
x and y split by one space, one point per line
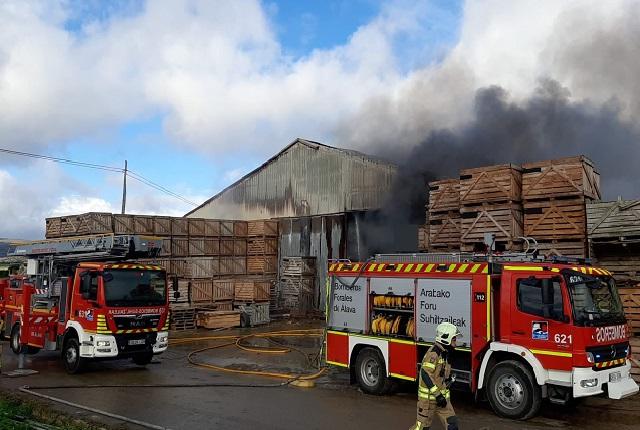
326 200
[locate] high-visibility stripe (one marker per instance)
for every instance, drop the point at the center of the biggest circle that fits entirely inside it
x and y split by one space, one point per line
452 268
429 268
335 363
399 376
380 267
553 353
406 342
340 267
462 268
341 333
583 270
485 270
332 267
409 267
475 268
524 268
399 267
419 268
488 301
356 268
372 267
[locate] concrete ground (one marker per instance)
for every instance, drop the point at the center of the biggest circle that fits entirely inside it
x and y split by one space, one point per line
332 404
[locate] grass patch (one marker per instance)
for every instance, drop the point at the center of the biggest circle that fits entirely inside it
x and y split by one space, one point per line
17 413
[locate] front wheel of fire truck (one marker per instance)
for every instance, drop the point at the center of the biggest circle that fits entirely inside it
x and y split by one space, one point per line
371 372
73 363
143 358
16 347
513 391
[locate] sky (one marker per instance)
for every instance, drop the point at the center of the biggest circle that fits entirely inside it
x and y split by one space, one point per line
196 93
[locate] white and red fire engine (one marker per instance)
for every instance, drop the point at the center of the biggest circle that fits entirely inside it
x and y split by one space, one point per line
82 296
531 330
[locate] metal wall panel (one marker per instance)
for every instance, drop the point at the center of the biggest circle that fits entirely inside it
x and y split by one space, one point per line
304 179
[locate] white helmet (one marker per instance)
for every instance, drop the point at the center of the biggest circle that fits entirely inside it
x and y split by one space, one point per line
445 332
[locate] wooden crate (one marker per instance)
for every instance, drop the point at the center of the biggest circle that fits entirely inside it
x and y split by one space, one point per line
123 224
165 251
555 218
211 228
617 221
630 298
635 358
298 266
227 246
445 230
211 246
622 260
444 195
218 319
211 290
143 224
262 246
254 314
196 227
180 267
423 238
502 183
566 248
226 228
180 247
79 225
262 264
262 228
505 221
226 305
574 176
162 226
233 265
240 228
205 267
184 288
248 291
183 318
179 226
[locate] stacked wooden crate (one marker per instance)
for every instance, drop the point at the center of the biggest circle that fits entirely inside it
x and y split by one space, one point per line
614 237
630 298
297 284
491 202
444 215
555 194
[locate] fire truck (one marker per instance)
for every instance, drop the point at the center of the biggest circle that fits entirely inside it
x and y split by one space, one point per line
532 328
86 297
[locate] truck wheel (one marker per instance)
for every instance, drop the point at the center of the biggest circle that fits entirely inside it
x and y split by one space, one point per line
143 358
371 372
73 363
16 347
513 391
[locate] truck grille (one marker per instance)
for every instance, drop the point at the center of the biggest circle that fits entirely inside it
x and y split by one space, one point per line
136 322
609 353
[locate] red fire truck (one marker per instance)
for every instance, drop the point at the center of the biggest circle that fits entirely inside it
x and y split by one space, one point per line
531 330
81 296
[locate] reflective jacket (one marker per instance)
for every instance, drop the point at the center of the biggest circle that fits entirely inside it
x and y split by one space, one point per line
434 371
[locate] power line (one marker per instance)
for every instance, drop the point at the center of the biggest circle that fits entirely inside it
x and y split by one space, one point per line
138 177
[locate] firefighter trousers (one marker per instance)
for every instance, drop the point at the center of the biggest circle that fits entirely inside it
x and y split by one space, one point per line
428 408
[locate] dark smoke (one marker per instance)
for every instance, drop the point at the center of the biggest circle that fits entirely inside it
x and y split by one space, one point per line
547 125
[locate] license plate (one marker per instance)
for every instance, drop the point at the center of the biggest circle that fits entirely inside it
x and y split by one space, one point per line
136 342
615 376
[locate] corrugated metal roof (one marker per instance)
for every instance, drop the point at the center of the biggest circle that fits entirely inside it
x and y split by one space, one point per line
305 178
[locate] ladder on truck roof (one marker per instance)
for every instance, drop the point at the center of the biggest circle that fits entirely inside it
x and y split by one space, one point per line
92 247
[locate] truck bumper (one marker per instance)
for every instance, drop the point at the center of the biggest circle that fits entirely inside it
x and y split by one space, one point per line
99 346
589 382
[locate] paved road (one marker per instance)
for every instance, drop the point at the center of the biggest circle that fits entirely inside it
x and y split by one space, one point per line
332 404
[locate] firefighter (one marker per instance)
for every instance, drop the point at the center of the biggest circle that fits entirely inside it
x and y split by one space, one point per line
433 391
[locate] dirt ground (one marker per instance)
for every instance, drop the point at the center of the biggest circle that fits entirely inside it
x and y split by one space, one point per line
260 403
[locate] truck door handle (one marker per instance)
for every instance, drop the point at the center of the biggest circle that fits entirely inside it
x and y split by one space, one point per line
518 332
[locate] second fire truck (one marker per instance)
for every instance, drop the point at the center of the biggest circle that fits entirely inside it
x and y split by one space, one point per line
532 330
87 298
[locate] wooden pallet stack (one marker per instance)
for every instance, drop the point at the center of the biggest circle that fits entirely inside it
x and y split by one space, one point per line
297 284
262 258
555 194
491 202
443 215
614 237
183 317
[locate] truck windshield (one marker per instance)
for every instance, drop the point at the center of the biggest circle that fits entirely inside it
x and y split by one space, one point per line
134 287
595 299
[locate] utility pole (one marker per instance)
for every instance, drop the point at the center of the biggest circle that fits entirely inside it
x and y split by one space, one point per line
124 188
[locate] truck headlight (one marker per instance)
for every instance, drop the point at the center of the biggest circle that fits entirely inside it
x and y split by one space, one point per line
590 357
589 383
104 343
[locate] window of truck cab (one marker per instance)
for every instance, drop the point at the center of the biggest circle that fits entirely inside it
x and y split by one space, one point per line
530 300
134 287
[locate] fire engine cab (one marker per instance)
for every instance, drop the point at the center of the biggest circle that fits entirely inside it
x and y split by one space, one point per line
531 330
85 297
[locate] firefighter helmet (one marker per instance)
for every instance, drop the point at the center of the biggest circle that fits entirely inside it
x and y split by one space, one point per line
445 332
